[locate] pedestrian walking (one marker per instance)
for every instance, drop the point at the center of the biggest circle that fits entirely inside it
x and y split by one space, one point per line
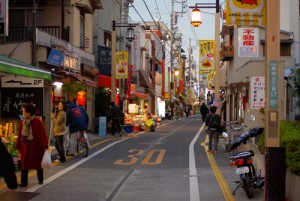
178 111
204 111
7 168
115 119
77 120
187 111
213 122
59 130
32 143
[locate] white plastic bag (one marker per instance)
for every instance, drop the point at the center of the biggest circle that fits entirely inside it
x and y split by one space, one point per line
46 162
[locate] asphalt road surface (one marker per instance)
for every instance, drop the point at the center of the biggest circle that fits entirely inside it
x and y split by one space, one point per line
167 165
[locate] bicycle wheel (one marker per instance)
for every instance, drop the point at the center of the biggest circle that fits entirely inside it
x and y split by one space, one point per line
86 149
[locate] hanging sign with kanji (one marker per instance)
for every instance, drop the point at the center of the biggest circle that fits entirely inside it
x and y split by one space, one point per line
122 65
207 50
248 42
246 12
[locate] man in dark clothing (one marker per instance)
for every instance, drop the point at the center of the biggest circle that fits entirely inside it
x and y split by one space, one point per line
204 111
115 118
213 122
77 120
7 167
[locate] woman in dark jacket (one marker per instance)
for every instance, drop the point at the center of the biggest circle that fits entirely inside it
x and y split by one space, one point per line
7 167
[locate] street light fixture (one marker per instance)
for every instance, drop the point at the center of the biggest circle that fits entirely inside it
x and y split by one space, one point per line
130 38
196 21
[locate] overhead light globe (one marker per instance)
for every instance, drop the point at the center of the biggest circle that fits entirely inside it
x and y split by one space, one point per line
130 34
196 20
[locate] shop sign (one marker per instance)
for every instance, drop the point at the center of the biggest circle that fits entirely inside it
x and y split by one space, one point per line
248 42
207 54
13 98
246 12
104 60
55 58
3 17
136 52
128 82
121 65
257 92
21 82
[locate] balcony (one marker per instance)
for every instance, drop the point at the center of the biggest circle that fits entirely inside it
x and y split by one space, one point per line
226 52
22 34
84 41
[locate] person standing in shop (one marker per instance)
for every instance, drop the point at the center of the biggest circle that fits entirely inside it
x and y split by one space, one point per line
59 130
32 143
115 118
7 168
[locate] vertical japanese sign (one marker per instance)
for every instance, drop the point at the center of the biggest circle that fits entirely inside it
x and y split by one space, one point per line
248 42
122 65
128 82
3 17
136 52
104 60
273 85
257 92
207 56
246 12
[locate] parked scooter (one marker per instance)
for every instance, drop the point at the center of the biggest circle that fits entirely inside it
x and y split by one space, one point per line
249 178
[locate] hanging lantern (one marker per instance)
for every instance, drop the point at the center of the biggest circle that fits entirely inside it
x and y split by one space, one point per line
196 17
81 97
130 34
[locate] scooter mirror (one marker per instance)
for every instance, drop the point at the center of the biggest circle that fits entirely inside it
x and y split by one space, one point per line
252 117
224 134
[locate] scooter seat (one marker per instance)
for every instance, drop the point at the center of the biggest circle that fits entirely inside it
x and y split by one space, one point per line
242 154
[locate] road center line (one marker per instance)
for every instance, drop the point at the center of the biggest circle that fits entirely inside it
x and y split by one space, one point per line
194 188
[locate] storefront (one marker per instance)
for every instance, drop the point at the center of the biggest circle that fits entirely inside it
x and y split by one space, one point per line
21 83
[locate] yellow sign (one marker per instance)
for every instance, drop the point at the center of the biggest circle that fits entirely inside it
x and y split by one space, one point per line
207 54
122 65
246 12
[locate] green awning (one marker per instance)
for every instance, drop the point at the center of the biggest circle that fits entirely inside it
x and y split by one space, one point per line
12 66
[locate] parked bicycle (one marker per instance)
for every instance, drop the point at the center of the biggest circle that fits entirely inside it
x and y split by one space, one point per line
230 131
249 178
82 142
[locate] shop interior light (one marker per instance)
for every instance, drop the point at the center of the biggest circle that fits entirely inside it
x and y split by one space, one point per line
58 84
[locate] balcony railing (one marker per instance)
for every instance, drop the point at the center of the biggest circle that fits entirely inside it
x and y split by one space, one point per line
21 34
226 52
84 41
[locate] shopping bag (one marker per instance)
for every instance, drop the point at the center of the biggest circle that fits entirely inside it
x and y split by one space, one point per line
149 122
46 161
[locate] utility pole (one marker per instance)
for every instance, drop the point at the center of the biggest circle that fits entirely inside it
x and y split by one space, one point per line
172 59
275 155
190 61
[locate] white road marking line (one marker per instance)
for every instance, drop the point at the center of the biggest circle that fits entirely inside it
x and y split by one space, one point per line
194 188
68 169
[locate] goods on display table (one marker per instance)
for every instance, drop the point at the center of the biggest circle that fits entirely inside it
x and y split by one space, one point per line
9 135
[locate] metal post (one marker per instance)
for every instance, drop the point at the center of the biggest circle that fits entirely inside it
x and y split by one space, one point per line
113 62
217 101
